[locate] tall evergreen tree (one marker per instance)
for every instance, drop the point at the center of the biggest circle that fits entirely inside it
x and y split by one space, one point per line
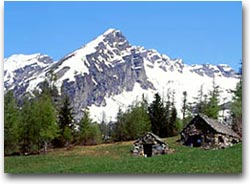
104 127
11 124
208 104
187 111
166 126
157 114
119 128
199 105
184 106
88 131
48 87
66 123
171 117
38 123
212 107
172 124
141 117
236 107
47 120
30 129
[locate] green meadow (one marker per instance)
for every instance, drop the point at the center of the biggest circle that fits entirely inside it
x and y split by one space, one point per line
116 158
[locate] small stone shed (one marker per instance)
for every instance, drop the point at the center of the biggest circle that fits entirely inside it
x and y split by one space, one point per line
208 133
149 145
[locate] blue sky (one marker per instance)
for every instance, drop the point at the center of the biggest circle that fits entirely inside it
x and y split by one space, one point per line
197 32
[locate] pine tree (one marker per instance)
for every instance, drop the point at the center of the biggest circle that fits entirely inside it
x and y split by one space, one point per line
88 132
119 128
141 117
49 98
104 127
84 126
172 124
171 117
66 123
48 87
236 107
47 120
211 109
199 105
30 129
39 126
184 106
187 111
157 114
11 124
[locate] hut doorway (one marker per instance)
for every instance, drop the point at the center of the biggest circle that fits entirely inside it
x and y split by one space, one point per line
195 141
147 148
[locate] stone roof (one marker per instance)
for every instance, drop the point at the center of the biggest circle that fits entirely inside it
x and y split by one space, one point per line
148 138
218 127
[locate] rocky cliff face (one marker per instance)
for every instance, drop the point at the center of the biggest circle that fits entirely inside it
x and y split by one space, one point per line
108 73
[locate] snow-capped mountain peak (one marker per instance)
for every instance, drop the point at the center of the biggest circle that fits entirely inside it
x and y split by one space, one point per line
19 67
103 51
107 38
108 73
20 60
111 30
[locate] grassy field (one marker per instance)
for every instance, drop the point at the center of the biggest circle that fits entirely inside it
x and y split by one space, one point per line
116 158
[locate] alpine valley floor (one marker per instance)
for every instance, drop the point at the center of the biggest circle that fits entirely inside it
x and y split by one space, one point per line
116 158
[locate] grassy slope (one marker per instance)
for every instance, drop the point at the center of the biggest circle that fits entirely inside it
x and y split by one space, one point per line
116 158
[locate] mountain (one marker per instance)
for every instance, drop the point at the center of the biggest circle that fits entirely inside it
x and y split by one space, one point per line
108 73
19 68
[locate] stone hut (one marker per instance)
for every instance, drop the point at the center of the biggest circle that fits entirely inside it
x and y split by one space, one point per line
149 145
208 133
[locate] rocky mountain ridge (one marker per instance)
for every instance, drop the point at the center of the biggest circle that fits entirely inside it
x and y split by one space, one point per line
108 73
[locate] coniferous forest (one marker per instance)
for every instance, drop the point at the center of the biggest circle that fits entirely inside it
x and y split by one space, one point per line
35 124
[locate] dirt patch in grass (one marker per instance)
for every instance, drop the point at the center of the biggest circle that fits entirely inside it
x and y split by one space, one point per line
113 150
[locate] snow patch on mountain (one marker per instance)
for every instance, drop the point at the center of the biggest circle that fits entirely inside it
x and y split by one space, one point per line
166 83
122 101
